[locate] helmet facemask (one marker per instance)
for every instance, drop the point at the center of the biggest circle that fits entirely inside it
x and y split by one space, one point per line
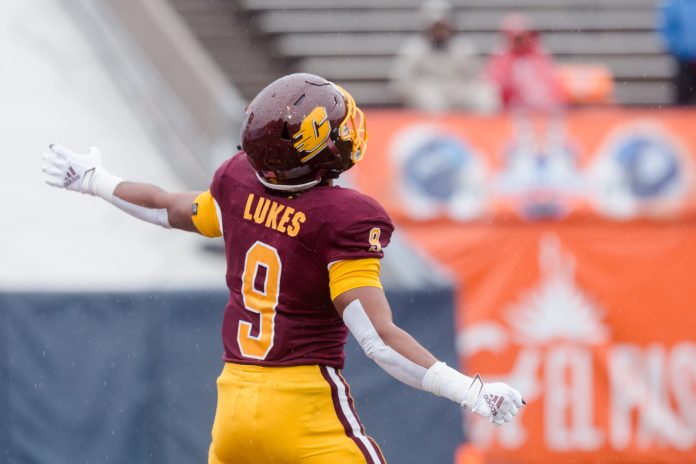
353 128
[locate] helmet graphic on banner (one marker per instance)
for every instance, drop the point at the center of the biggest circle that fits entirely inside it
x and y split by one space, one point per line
440 174
640 170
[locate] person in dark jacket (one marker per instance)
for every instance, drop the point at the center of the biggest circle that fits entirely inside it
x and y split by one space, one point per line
678 29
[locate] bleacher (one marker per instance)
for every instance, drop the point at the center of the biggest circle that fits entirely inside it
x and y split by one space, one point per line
354 42
242 51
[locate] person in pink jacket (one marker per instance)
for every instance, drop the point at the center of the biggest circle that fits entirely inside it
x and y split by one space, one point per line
522 71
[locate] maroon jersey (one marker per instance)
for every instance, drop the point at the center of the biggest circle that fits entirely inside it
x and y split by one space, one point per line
278 251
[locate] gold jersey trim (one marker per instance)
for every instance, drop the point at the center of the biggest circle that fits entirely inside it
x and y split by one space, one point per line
205 215
349 274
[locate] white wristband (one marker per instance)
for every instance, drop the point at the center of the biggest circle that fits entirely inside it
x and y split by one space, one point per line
442 380
102 183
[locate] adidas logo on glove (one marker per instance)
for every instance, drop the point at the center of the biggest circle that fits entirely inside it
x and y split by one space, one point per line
494 402
70 177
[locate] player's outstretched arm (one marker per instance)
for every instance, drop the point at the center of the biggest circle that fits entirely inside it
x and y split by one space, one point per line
85 173
367 314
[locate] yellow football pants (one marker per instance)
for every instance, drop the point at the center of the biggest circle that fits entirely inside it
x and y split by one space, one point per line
298 414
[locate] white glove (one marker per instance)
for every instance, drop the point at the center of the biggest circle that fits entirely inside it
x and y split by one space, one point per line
497 402
81 173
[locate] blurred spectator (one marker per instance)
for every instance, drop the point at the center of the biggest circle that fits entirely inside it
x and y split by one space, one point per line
678 28
528 86
522 71
439 71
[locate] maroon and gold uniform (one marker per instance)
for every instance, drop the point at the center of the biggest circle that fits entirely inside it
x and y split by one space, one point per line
279 250
287 256
294 244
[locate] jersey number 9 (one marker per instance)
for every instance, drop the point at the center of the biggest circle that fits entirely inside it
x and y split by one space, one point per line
260 301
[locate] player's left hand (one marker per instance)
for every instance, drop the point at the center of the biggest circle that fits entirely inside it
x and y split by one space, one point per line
498 401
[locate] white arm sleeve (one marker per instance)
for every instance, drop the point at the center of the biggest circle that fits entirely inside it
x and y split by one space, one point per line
439 379
393 363
158 216
104 186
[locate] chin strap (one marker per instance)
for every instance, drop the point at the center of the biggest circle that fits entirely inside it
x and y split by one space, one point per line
286 187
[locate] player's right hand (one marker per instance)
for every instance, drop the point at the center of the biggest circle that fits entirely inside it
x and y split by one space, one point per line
497 402
64 168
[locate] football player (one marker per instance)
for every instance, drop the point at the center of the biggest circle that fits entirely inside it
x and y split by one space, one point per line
303 269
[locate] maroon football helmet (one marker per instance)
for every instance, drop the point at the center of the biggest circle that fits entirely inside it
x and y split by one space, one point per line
302 129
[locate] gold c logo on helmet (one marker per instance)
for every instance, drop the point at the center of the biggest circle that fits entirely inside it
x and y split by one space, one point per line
313 135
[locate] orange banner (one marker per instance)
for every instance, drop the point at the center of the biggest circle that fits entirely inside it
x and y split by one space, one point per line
615 164
585 304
